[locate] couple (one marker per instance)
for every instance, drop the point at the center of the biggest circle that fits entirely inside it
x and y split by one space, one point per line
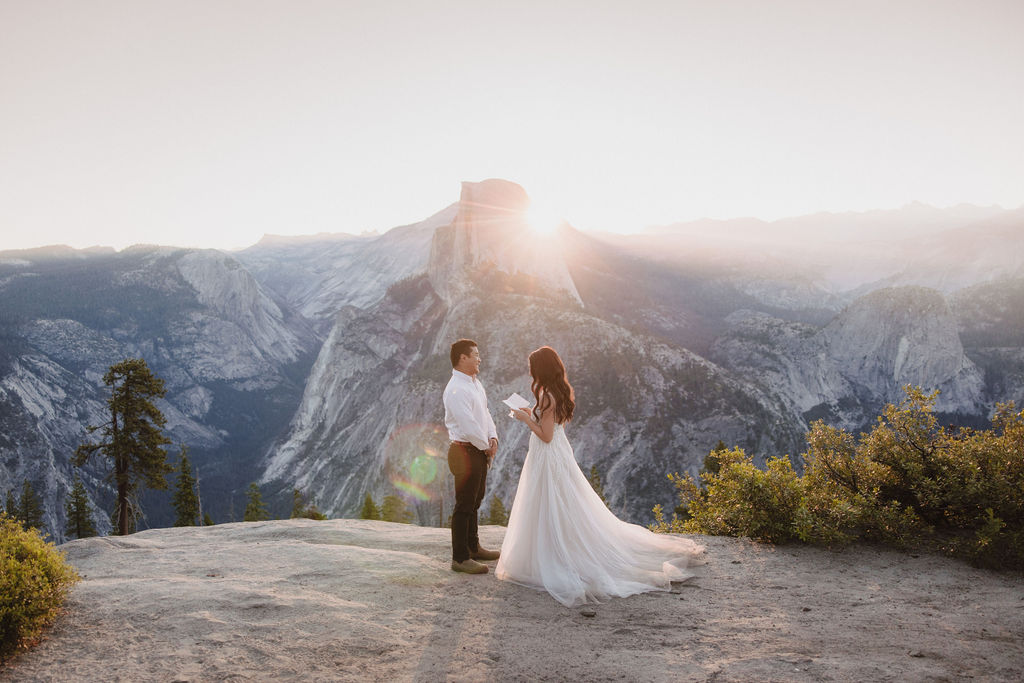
561 537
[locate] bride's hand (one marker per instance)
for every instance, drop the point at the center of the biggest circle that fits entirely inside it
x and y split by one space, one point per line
523 415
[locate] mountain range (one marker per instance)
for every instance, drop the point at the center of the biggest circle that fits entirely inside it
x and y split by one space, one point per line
317 362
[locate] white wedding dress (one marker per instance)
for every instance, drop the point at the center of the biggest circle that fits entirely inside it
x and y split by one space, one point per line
563 539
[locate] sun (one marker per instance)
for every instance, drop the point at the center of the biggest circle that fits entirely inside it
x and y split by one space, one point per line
543 218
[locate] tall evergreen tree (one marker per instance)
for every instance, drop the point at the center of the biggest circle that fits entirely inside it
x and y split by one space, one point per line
370 510
131 517
12 505
298 503
394 509
132 439
185 501
255 510
30 508
77 509
497 514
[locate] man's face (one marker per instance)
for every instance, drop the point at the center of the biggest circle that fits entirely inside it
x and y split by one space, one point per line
470 364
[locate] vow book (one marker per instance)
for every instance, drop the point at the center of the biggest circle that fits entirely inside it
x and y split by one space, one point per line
515 402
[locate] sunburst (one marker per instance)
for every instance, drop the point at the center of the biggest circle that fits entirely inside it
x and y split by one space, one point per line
543 218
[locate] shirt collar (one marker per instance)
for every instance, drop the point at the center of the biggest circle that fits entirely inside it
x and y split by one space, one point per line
459 373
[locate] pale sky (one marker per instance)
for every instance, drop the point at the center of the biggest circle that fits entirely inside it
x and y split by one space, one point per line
211 122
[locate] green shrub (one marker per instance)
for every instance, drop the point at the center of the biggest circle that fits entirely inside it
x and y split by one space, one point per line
34 580
738 500
910 482
907 483
313 512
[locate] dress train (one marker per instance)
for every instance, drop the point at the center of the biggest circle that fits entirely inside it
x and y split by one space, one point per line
563 539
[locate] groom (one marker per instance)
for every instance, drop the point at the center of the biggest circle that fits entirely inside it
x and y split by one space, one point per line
474 443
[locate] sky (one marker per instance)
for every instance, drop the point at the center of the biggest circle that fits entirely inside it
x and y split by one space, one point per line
210 123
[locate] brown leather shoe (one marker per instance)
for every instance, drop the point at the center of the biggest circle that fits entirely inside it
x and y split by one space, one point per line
469 567
485 555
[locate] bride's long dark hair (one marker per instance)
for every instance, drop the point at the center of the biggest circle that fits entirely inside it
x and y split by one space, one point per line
550 383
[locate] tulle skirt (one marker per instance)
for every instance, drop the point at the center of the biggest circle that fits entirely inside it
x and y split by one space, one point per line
563 539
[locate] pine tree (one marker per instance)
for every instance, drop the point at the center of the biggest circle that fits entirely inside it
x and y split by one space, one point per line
370 510
255 510
12 505
131 516
30 508
77 510
597 484
497 515
300 508
394 509
207 519
185 501
132 439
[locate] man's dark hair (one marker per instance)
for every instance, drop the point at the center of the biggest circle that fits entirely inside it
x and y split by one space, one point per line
463 347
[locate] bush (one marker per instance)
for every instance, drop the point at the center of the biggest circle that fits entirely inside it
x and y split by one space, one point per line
738 500
34 580
908 483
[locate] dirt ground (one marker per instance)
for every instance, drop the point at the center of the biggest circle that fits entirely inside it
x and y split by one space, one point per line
356 600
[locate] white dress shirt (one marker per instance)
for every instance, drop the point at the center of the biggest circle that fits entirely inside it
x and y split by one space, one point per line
465 411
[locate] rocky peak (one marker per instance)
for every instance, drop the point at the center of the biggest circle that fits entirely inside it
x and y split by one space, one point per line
491 230
223 284
904 335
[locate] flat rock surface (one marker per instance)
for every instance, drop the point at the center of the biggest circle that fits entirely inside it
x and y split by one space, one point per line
361 600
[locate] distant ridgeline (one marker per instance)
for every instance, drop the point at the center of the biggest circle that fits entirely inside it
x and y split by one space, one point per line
317 364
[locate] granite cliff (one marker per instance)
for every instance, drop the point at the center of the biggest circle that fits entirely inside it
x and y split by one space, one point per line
231 356
317 362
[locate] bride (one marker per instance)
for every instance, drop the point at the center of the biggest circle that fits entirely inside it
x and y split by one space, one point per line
561 536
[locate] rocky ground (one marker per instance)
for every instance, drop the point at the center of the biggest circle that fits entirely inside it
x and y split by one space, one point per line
360 600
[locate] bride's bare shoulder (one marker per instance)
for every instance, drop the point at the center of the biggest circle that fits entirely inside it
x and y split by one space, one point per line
546 401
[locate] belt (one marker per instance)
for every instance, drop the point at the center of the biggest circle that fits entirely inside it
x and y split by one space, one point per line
466 444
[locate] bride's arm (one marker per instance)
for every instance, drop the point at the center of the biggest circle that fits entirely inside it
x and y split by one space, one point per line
545 429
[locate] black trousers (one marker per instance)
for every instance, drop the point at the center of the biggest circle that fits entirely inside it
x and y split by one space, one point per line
468 465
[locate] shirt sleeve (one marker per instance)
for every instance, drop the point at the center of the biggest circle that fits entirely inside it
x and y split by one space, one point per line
492 432
459 403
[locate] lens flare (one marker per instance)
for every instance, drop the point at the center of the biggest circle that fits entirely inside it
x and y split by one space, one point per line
413 453
423 469
412 489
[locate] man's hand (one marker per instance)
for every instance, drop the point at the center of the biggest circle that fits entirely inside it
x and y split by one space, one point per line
491 451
